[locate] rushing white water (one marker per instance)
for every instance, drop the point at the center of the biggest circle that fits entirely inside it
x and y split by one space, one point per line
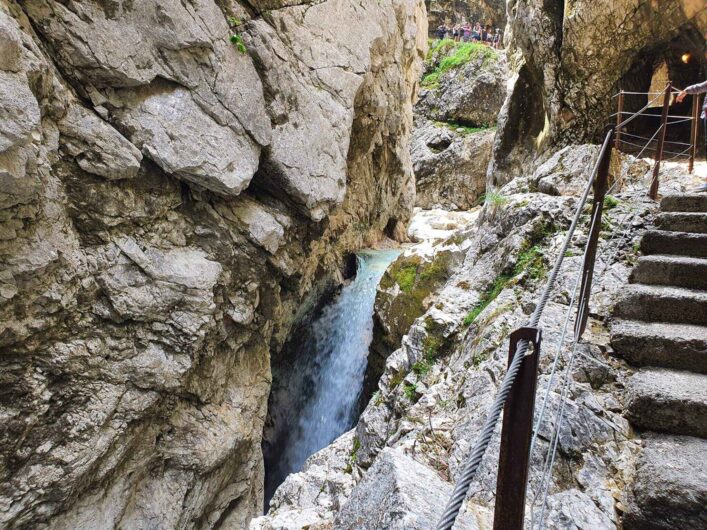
338 348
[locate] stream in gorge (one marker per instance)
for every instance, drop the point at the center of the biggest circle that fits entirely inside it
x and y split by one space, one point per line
317 399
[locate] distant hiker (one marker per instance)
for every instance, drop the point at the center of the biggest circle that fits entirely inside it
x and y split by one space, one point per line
456 30
699 88
441 31
466 28
476 34
497 38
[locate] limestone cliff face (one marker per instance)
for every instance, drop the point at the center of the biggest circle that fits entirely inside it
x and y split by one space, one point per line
456 11
570 57
167 199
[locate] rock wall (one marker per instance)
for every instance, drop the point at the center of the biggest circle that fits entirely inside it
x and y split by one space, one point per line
456 11
569 58
174 179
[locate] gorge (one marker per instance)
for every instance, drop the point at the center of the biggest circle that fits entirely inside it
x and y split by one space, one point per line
260 259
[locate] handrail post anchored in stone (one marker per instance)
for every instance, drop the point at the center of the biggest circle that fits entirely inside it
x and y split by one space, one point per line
514 454
694 131
618 120
653 193
601 185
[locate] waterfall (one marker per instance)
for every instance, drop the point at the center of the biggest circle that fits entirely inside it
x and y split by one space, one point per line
331 373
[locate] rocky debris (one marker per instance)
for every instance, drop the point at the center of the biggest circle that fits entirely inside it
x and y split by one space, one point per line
312 497
398 493
670 496
471 93
566 171
450 165
566 67
148 273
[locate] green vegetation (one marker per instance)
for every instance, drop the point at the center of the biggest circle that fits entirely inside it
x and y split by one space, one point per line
353 456
461 128
237 40
397 379
438 46
489 296
495 198
530 260
405 277
410 391
234 22
611 202
422 368
457 54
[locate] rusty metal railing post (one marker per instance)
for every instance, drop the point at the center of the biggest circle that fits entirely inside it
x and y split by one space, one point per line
514 454
619 119
601 185
694 131
653 193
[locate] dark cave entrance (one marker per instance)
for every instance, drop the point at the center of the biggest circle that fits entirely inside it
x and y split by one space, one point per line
680 60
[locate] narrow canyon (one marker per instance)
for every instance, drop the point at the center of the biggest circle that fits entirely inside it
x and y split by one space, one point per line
260 261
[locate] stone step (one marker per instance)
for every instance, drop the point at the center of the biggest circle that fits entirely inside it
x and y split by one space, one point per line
695 222
684 202
681 271
657 303
679 346
668 401
676 243
669 490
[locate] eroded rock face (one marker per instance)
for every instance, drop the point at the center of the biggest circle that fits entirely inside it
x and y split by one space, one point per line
450 165
567 65
151 257
456 11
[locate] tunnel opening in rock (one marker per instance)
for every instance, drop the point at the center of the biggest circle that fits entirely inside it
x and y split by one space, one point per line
318 377
680 61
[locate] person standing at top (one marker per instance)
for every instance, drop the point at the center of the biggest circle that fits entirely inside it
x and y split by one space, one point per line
441 31
455 32
699 88
467 31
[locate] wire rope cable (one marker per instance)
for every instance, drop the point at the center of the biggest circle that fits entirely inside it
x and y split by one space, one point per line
476 456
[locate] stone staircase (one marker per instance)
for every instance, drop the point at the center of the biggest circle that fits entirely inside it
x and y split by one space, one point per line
660 327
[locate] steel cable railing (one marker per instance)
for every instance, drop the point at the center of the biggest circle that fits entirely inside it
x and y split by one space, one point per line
479 449
480 446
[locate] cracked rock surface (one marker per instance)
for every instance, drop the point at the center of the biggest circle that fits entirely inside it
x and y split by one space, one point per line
167 202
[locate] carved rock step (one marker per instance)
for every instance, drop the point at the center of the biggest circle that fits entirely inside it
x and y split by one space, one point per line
695 222
670 487
668 401
657 303
681 271
676 243
680 346
684 202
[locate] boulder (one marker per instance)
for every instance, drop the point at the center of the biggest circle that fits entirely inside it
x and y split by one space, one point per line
398 493
450 165
471 93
